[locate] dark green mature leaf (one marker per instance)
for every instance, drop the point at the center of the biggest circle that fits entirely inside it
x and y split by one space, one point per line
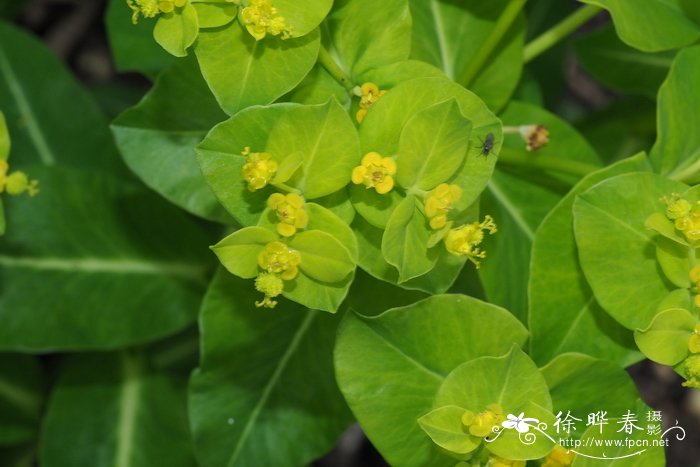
619 66
90 263
265 393
677 148
157 138
120 411
51 121
622 270
564 321
21 398
449 34
390 367
242 71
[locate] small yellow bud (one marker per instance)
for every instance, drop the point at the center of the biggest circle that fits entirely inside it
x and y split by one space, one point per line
260 18
258 169
290 212
439 202
369 95
559 457
17 182
692 369
278 258
375 172
464 240
677 208
272 286
482 424
694 343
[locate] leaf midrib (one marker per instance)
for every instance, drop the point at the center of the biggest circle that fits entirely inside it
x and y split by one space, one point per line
132 371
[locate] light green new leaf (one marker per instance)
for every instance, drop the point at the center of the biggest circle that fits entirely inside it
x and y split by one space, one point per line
366 34
215 14
563 321
220 159
326 137
677 148
21 398
390 367
302 16
445 428
651 25
674 261
623 270
157 138
432 146
239 251
97 253
622 68
176 31
261 70
323 257
126 413
280 404
52 121
666 339
449 35
405 241
664 226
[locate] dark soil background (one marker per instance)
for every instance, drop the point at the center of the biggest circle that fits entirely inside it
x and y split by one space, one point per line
75 31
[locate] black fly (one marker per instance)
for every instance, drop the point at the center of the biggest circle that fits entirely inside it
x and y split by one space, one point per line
487 144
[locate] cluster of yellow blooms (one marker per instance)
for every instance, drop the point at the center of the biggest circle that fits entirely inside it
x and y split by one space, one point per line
17 182
369 94
559 457
258 169
685 216
290 212
495 461
692 363
260 18
150 8
375 172
439 202
280 263
465 240
481 424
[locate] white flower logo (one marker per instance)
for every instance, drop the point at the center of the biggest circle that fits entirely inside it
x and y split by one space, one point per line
519 423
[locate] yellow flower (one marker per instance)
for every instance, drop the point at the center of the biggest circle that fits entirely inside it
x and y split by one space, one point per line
482 424
150 8
559 457
271 285
17 182
375 172
694 342
439 202
495 461
685 216
677 208
278 258
369 94
692 368
261 18
290 212
258 169
464 240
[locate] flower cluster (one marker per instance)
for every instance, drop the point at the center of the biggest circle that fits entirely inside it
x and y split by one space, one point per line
439 202
481 424
260 18
290 212
375 172
17 182
685 216
258 169
465 240
692 369
279 263
369 94
496 461
150 8
559 457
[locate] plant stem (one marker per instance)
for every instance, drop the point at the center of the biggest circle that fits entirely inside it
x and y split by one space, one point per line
559 31
534 161
503 24
332 67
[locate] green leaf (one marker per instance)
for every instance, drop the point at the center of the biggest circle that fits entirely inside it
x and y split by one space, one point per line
445 428
283 390
176 31
326 137
450 34
519 201
563 321
215 15
95 254
323 257
220 159
5 142
157 138
663 225
666 339
405 241
366 34
50 127
622 270
512 381
303 16
432 146
126 413
674 261
321 218
615 64
677 148
262 70
390 367
132 45
651 26
239 251
21 398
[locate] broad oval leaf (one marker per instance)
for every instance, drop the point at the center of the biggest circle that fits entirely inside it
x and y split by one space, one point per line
666 339
177 31
239 251
303 16
323 257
